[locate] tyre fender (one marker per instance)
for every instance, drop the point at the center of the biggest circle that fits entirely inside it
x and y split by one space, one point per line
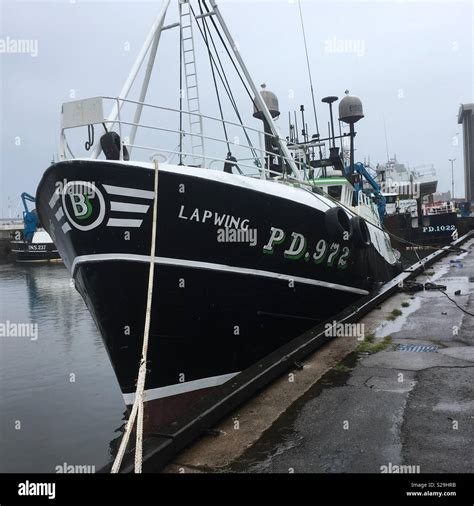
338 223
110 144
360 232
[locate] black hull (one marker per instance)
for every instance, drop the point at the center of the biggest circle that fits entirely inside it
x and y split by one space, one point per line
434 231
218 307
39 252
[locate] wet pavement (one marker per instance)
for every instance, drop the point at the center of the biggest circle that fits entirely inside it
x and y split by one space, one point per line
398 407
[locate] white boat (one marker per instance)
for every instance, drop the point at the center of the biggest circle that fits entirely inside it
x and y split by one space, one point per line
40 249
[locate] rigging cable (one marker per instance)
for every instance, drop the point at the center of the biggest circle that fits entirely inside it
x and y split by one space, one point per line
228 88
180 85
229 53
233 102
252 98
236 69
205 27
309 74
226 85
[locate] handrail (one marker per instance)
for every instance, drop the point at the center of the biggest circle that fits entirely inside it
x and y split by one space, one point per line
213 158
301 165
260 153
174 131
171 109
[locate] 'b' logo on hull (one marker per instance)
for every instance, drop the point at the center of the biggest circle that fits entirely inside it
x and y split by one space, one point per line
83 204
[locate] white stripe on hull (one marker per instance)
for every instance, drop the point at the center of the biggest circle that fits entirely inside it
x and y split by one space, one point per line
107 257
54 199
181 388
119 222
129 192
128 208
59 215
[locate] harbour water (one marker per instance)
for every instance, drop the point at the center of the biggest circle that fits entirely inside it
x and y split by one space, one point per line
59 400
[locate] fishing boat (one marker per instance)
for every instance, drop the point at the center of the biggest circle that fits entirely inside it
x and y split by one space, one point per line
34 244
246 255
415 221
420 181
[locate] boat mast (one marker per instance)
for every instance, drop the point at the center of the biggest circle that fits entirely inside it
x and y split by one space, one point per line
154 33
258 99
146 80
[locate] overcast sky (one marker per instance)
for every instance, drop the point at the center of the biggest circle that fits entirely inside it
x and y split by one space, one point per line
411 63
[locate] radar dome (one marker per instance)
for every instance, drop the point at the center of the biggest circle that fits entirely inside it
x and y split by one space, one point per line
271 101
350 109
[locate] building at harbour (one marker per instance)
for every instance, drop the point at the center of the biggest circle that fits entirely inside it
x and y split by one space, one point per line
441 196
466 118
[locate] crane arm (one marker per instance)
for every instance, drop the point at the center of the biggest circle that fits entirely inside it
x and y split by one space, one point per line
26 197
379 197
30 218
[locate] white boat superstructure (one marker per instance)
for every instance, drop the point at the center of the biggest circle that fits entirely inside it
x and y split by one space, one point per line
408 183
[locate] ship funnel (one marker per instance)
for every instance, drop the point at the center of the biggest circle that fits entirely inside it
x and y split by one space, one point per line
271 101
350 109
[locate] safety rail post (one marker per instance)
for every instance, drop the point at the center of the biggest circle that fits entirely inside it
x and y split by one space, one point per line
62 145
120 129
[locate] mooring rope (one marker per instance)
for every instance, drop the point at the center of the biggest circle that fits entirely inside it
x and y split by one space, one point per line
140 392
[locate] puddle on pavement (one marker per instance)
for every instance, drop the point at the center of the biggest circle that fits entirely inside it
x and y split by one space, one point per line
388 328
453 283
282 436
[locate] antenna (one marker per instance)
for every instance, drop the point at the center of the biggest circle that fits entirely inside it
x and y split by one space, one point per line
304 131
329 101
309 74
340 138
296 129
386 141
290 126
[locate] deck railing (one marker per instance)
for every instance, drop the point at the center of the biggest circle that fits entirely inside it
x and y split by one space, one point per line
251 156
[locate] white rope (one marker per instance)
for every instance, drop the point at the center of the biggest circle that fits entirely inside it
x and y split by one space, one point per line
140 392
